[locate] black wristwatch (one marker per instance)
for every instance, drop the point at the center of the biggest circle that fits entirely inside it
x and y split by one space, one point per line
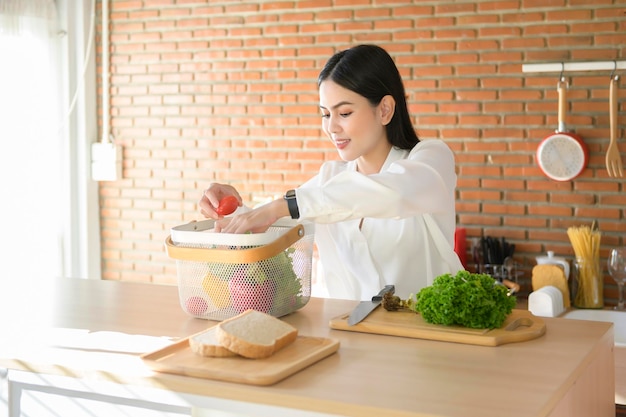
292 203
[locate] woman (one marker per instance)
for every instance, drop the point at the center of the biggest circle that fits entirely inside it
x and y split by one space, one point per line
385 214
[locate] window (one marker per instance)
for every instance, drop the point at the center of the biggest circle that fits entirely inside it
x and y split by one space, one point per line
48 210
30 171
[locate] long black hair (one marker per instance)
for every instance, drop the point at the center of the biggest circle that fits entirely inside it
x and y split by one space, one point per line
369 71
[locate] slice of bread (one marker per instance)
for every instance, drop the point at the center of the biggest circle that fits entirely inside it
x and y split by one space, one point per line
549 274
254 334
206 344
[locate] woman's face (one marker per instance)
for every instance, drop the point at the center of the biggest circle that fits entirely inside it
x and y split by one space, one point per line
355 126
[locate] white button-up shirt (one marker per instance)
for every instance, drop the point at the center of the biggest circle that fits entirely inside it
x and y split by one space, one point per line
394 245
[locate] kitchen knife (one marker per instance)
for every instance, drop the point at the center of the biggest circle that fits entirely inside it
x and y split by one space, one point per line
365 307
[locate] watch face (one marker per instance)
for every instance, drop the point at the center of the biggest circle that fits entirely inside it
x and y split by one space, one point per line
562 157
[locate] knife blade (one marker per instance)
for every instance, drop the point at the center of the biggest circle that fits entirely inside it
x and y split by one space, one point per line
366 307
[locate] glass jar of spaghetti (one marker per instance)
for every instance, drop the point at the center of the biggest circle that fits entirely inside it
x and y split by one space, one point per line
587 284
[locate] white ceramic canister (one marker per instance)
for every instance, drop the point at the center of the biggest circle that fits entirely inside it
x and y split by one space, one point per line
554 260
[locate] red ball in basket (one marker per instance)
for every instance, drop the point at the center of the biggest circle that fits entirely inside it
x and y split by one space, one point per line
250 288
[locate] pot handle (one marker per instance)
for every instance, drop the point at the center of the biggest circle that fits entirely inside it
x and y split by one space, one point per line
562 89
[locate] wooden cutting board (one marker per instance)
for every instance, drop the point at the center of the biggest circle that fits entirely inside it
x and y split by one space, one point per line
178 358
519 326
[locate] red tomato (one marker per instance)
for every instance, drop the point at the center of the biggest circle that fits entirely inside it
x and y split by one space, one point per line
227 205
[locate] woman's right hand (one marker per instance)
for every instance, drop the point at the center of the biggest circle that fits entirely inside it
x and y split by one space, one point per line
211 197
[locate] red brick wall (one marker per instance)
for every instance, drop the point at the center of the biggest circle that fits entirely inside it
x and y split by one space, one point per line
207 91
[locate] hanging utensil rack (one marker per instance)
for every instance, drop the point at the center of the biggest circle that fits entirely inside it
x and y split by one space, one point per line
575 66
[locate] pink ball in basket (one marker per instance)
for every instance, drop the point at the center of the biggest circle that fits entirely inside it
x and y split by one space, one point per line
196 305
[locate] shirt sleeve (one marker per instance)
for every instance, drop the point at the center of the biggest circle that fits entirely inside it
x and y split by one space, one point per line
422 182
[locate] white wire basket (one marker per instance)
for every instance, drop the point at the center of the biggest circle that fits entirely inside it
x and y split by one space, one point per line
221 275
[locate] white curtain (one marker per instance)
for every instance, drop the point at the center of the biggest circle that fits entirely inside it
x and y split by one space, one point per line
34 18
30 141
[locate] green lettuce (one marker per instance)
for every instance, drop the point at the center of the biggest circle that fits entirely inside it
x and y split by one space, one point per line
465 299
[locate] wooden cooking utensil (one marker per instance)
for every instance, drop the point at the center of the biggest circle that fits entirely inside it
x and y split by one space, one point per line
613 159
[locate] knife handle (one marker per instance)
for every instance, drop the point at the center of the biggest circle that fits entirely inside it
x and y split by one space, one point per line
386 289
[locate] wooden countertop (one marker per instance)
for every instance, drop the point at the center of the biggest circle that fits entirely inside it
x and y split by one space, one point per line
97 329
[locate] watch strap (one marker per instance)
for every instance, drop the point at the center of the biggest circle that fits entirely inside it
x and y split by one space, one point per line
292 204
